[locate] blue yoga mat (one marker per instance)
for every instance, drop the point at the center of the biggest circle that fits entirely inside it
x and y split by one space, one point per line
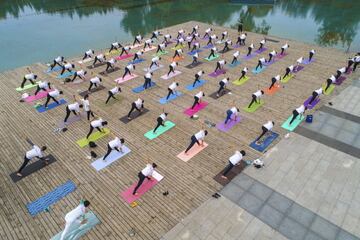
232 65
190 86
265 143
259 70
172 97
195 51
40 204
141 88
208 46
52 105
113 156
137 61
55 69
65 74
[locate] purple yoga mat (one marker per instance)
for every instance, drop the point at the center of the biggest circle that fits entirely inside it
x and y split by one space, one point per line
261 50
280 56
348 71
249 57
269 63
236 46
313 104
340 80
306 61
298 69
224 128
217 73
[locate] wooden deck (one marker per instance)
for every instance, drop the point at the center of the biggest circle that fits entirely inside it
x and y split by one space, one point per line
189 184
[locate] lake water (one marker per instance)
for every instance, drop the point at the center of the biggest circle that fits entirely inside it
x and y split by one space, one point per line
37 31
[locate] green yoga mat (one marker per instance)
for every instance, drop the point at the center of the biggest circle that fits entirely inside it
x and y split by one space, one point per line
254 107
177 48
329 90
295 123
212 57
76 230
168 125
241 81
160 53
28 86
287 78
92 138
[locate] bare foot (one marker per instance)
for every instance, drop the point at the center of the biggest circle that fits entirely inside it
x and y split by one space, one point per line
224 177
19 174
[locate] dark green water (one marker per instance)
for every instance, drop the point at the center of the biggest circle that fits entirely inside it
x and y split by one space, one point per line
37 30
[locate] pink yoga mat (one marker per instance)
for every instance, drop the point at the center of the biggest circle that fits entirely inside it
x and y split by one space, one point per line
149 49
224 128
340 80
126 78
313 104
128 196
197 108
171 75
280 56
38 96
124 56
192 152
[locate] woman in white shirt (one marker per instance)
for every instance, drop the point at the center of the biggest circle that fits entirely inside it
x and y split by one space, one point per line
197 77
145 173
86 104
115 144
42 86
197 98
115 46
99 124
283 48
137 39
265 128
161 121
298 111
172 89
29 77
72 108
234 160
128 70
138 105
197 138
35 152
52 95
112 92
256 97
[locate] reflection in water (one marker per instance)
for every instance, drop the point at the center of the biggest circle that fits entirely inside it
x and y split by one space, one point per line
329 22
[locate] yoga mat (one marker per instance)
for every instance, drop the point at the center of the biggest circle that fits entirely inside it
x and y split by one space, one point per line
240 82
348 71
249 57
217 73
232 174
42 203
151 135
135 46
232 65
261 50
177 47
172 97
93 90
83 142
39 95
119 58
208 46
28 86
287 78
280 56
329 90
133 115
171 75
126 78
259 70
77 230
32 167
195 51
306 61
236 46
271 62
295 123
273 90
85 60
212 57
313 104
55 69
160 53
226 127
220 42
137 61
52 105
340 80
197 84
298 69
254 106
177 59
113 52
113 156
197 108
222 51
153 68
191 66
265 142
222 93
141 88
96 65
149 49
65 74
72 119
110 70
192 152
